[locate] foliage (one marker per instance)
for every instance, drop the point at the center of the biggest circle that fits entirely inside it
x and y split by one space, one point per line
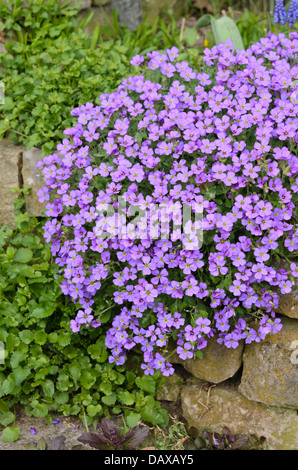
162 33
252 26
112 438
52 65
222 441
58 443
46 367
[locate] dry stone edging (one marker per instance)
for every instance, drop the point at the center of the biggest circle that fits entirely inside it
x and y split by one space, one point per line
18 170
223 405
219 363
270 368
259 399
10 178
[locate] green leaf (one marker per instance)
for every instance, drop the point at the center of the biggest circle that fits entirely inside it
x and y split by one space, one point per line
40 337
125 397
48 388
109 399
205 20
20 374
190 36
40 410
225 28
75 372
133 419
23 255
106 387
153 412
61 397
11 434
7 418
16 358
26 336
146 383
94 410
8 386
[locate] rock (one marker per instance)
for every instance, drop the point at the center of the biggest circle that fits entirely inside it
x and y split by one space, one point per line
83 3
30 179
129 12
223 405
219 363
171 389
154 8
270 371
10 178
288 304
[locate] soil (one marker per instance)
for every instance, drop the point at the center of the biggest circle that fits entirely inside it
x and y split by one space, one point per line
34 429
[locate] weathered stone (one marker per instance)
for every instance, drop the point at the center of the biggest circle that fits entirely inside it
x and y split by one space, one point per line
288 304
270 368
30 179
10 178
154 8
129 12
83 3
171 389
223 405
219 363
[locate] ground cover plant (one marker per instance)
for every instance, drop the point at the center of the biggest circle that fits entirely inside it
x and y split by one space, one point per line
52 65
222 142
46 368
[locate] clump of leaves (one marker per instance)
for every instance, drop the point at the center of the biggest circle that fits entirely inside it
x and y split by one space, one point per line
58 443
111 437
46 367
224 441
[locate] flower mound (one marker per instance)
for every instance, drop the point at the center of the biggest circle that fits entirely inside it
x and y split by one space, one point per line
221 143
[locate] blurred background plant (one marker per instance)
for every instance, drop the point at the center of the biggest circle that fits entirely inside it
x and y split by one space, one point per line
52 64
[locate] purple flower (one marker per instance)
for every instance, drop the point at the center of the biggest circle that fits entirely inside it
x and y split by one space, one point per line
137 60
179 188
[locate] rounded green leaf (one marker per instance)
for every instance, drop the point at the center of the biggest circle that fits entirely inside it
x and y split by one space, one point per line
23 255
94 410
26 336
11 434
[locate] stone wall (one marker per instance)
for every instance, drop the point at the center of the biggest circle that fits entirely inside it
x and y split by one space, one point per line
17 171
252 389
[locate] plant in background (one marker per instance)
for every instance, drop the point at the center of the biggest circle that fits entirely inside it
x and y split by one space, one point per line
113 439
224 28
222 143
222 441
51 65
58 443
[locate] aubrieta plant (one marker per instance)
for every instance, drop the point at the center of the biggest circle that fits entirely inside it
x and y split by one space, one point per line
219 143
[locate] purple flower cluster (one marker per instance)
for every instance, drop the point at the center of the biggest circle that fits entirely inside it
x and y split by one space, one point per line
223 143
